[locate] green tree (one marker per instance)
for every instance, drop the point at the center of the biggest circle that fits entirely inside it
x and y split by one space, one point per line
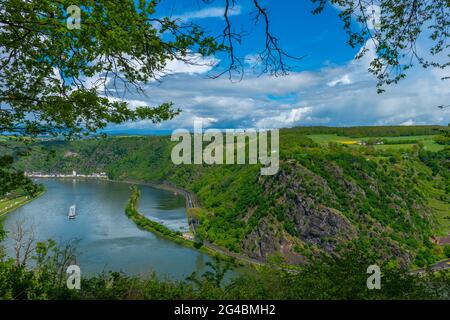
447 251
47 67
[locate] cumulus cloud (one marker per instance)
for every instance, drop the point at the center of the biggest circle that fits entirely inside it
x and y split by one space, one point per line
284 119
345 79
373 14
407 123
192 64
343 95
210 12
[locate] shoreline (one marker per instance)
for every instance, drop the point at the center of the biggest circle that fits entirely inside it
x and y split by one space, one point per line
191 199
193 202
162 231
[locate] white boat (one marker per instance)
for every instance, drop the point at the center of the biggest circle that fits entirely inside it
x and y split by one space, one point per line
72 212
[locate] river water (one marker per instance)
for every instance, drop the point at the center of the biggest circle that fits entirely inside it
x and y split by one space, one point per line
108 240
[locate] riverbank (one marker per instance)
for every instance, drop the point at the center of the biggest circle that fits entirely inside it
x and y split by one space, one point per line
13 204
160 230
193 202
74 175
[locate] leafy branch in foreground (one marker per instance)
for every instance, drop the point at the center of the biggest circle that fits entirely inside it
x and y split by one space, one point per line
394 28
55 80
68 81
343 277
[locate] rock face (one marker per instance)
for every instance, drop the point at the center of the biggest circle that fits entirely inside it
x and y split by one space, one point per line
262 241
322 226
313 224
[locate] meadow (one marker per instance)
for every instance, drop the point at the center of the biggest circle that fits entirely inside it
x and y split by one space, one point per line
7 205
404 142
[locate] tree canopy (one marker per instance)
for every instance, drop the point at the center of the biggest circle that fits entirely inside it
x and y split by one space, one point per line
51 73
54 72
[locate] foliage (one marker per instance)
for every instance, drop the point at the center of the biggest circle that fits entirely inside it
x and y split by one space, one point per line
443 139
11 179
47 66
447 251
343 277
371 131
393 28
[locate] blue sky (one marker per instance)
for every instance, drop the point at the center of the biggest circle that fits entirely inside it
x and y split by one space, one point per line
328 87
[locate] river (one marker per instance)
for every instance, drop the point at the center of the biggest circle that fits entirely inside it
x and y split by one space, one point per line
108 240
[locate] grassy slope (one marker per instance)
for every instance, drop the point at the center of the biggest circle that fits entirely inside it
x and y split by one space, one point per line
8 205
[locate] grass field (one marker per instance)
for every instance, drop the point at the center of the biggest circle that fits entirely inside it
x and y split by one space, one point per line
428 142
324 139
7 205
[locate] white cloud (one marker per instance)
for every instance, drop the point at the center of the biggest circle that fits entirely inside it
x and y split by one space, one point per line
192 64
373 14
345 79
210 12
252 60
407 123
132 103
206 121
284 119
340 96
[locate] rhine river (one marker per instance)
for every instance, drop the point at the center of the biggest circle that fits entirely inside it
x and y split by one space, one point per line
108 240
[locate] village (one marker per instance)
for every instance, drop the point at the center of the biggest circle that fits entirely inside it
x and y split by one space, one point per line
101 175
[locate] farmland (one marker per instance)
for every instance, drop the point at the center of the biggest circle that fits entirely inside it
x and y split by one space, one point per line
404 142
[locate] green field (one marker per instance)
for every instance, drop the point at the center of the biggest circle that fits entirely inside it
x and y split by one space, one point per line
7 205
427 140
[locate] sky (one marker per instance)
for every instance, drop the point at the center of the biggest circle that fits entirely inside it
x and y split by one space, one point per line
327 87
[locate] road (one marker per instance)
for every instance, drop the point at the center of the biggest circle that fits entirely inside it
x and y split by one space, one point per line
441 265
